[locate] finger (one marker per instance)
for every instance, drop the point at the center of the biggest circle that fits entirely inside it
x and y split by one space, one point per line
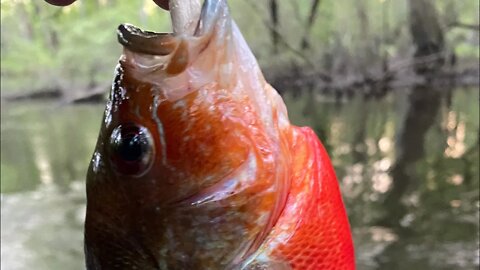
60 2
162 3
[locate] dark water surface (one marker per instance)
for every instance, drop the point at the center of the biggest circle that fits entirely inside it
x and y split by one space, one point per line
407 164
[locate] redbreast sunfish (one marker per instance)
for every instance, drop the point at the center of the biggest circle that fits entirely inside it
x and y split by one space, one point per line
198 167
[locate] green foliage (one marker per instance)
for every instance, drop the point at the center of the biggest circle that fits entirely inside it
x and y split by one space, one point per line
75 47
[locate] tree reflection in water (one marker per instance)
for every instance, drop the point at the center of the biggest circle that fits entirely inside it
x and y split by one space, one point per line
423 108
407 164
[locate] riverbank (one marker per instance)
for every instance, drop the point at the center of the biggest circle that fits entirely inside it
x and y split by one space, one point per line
330 47
297 78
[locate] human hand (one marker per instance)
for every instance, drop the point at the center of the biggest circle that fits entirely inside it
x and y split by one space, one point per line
161 3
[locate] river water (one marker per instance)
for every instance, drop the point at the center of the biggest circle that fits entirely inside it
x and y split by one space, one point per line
407 165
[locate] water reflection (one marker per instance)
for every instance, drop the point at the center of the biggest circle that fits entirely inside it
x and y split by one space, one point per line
407 163
44 143
422 109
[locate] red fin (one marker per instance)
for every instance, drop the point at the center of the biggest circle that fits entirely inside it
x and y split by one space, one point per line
313 232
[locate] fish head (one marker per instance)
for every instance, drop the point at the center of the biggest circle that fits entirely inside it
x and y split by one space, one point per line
185 174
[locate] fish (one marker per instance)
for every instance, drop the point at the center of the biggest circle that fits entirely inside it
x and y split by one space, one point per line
197 165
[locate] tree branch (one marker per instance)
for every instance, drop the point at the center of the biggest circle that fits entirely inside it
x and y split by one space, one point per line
311 20
474 27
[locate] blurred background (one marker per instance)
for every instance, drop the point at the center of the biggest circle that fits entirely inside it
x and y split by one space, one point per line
390 87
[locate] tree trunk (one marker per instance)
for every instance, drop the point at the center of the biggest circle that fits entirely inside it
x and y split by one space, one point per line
427 35
26 22
273 6
366 51
308 27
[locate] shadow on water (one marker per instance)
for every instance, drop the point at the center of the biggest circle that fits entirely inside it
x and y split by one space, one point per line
407 164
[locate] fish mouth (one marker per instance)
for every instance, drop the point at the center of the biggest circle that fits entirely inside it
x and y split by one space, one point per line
187 22
160 58
145 42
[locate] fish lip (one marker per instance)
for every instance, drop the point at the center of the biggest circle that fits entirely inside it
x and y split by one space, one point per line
161 44
145 42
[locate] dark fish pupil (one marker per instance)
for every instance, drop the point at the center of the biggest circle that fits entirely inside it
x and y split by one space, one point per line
131 148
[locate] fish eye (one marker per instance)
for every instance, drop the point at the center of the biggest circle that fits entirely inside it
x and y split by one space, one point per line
131 149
